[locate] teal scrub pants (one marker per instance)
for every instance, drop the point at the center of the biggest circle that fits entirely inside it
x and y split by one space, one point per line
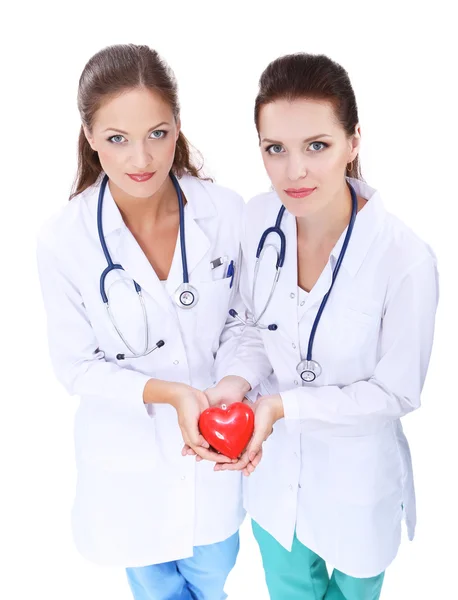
302 575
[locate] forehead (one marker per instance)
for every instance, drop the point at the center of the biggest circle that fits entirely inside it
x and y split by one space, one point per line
133 109
300 118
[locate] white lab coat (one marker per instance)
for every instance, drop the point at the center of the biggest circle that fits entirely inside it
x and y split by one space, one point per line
337 468
138 501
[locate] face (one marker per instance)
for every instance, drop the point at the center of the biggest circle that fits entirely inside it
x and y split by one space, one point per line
305 152
135 136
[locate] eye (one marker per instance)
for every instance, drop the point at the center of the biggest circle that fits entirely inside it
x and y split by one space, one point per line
275 149
158 134
116 139
318 146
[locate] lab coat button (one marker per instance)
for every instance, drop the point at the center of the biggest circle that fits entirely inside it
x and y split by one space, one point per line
183 477
294 346
291 487
292 295
296 382
176 362
303 302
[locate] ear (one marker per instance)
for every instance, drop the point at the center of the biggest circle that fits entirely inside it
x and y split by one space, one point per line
355 143
89 137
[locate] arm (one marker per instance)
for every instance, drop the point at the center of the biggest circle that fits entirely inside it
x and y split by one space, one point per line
241 353
392 391
395 386
81 367
78 362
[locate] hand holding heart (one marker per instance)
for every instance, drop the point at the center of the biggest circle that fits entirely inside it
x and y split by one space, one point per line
189 404
229 390
267 411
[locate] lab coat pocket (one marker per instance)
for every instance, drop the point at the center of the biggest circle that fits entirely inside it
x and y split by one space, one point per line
356 324
365 470
213 312
114 440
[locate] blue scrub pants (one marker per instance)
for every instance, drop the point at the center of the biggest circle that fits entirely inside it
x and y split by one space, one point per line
302 575
201 577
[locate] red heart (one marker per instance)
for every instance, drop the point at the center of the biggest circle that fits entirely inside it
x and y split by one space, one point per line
228 429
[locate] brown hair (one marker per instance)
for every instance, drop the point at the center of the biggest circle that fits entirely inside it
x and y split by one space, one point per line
313 76
111 72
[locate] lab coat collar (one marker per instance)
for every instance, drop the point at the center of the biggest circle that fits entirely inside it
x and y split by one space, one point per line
367 225
198 201
125 249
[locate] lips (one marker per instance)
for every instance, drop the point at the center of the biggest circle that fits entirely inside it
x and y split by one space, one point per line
299 192
140 177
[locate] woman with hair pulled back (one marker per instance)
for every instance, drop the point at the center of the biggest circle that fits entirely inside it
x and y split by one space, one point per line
339 322
137 273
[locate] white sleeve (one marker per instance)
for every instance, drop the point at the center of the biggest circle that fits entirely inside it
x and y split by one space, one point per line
78 362
405 347
247 357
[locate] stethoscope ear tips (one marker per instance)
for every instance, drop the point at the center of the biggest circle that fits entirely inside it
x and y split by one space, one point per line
272 327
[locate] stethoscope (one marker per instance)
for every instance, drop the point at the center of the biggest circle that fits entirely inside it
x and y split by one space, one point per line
186 296
308 369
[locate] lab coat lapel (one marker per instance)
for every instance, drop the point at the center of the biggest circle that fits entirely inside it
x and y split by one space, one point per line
197 245
285 296
137 266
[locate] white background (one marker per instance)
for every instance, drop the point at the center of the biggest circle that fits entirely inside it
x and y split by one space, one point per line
401 58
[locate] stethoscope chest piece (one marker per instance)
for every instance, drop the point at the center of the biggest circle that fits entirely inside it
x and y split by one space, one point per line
186 296
308 370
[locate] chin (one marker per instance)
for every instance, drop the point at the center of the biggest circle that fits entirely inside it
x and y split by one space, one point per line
300 207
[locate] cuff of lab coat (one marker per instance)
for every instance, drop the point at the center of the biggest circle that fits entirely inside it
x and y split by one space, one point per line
134 390
291 410
240 370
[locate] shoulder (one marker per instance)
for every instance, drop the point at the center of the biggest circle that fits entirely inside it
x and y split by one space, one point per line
66 224
405 248
222 198
262 207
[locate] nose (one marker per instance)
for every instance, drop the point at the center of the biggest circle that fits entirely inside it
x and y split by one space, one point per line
141 156
296 168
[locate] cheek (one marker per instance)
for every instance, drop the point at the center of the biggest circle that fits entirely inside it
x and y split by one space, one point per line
329 164
110 157
273 166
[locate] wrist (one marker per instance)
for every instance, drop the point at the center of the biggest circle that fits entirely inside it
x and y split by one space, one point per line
275 403
236 382
158 391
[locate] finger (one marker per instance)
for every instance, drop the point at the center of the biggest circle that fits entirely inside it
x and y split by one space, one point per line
257 459
250 468
187 451
196 439
236 465
213 456
255 446
198 458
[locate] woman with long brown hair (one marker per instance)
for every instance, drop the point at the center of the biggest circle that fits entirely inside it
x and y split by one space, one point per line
137 272
341 299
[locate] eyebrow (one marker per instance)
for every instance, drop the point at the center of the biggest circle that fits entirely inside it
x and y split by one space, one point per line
310 139
125 132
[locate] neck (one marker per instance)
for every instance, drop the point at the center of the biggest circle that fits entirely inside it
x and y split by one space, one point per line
326 226
140 214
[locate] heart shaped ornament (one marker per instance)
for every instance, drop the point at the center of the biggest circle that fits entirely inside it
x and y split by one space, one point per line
228 429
